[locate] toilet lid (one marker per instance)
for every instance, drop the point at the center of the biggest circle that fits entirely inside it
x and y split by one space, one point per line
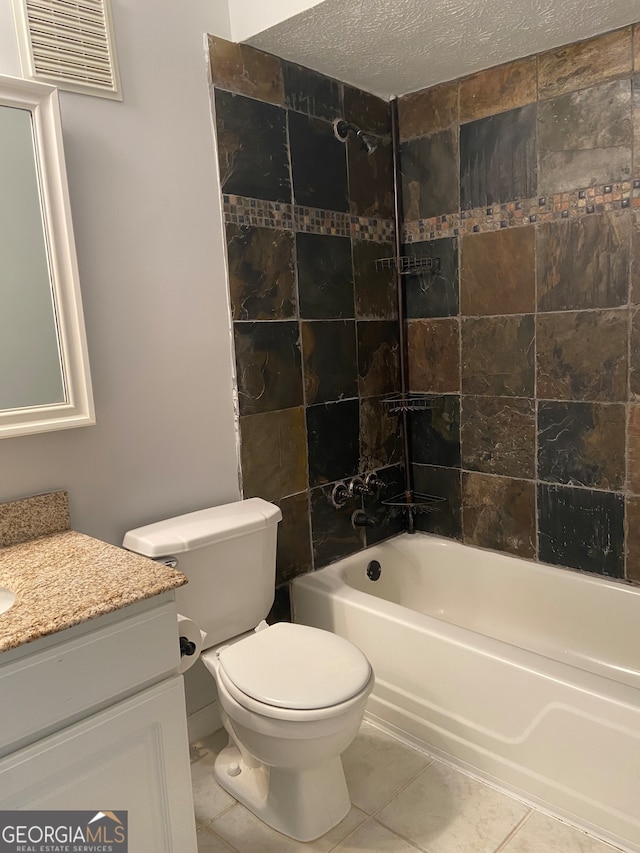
295 666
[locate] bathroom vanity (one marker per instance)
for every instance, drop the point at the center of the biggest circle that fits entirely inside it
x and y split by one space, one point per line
92 712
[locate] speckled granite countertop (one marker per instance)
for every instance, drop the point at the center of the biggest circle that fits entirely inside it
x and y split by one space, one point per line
65 578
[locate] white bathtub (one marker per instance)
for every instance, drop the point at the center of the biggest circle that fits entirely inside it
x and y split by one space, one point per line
526 674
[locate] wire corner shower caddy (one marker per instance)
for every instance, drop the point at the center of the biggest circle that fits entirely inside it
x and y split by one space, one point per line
407 265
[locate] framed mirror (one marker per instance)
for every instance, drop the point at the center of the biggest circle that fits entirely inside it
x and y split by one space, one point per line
44 368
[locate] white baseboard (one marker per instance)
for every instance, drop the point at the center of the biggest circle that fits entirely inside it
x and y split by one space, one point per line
204 722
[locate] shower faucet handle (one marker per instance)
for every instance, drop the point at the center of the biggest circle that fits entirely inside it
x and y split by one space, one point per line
339 495
357 486
373 483
343 491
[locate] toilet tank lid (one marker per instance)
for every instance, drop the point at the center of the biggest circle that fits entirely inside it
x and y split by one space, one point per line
204 527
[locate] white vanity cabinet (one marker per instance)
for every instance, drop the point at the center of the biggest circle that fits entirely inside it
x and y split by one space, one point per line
93 718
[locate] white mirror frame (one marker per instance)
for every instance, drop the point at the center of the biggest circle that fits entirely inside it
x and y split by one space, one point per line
77 409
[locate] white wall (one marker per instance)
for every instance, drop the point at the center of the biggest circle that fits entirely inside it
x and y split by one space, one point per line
249 17
146 209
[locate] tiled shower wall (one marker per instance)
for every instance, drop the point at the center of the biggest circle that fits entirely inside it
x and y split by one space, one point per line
522 180
525 180
315 323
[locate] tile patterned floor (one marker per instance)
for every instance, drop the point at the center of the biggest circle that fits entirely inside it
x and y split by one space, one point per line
403 801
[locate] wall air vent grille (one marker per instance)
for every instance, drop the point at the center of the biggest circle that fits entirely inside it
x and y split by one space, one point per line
70 44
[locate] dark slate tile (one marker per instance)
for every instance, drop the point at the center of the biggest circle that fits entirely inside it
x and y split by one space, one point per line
433 294
281 607
503 87
584 262
581 529
435 433
632 511
268 365
498 158
246 70
294 556
308 92
376 297
261 272
273 453
333 535
585 137
428 110
325 277
333 431
446 519
329 359
380 435
378 357
318 164
561 171
499 513
499 435
252 148
429 175
434 355
498 272
370 179
581 444
498 356
368 112
582 355
388 520
594 117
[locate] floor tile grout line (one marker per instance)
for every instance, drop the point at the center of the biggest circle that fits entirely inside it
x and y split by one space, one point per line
352 831
469 772
403 837
434 760
515 830
399 790
209 829
387 802
209 826
385 827
224 811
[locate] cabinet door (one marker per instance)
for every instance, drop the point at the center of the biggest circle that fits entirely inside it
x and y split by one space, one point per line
132 756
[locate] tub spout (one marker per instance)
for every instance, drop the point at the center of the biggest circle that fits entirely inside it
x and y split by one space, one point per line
361 519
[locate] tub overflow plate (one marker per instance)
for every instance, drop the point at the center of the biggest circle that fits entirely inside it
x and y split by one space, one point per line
374 570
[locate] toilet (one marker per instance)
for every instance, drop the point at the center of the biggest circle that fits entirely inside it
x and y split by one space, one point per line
292 697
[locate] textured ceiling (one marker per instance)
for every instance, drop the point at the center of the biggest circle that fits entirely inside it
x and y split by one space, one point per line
391 47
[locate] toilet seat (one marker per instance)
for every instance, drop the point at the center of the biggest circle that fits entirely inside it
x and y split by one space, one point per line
273 714
290 671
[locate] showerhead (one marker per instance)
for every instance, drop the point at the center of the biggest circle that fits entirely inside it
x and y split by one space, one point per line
342 129
368 142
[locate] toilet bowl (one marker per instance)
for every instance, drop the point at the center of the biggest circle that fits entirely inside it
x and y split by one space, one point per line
292 697
283 762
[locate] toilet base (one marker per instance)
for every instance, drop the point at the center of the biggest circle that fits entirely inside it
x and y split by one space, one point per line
303 804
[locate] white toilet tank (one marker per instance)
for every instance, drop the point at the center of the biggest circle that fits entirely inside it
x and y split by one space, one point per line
228 553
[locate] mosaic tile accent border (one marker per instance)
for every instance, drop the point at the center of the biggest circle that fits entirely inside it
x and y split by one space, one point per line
241 210
569 205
